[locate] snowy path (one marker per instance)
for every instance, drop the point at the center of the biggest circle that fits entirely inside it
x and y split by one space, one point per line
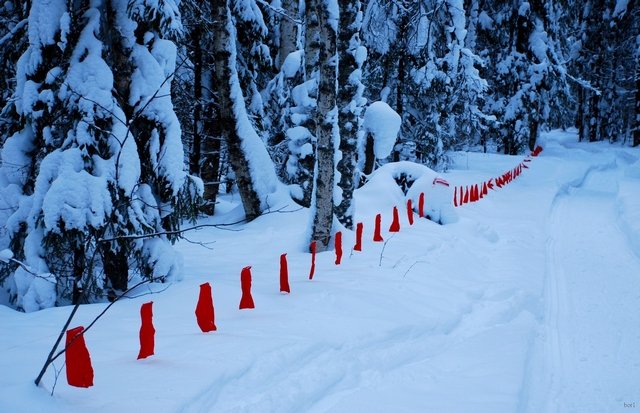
591 339
529 304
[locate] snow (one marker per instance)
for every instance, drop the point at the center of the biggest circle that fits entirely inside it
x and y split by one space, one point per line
360 55
621 8
35 293
384 124
265 182
292 64
5 255
45 20
486 22
527 303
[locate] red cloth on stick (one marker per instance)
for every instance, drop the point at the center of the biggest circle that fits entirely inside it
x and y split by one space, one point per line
338 247
466 195
312 248
473 196
205 314
395 224
147 332
359 228
284 275
455 196
490 184
246 301
409 212
485 191
377 236
421 205
77 359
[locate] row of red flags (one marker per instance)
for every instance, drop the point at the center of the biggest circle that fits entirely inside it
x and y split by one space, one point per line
78 361
475 192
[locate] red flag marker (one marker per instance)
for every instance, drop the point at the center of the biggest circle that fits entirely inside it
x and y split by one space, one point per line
466 195
395 224
77 359
205 314
421 205
312 248
485 191
246 301
358 246
147 332
338 247
377 237
455 197
284 275
409 212
490 184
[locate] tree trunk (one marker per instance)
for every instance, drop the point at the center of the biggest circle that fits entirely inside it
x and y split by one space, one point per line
593 118
348 101
288 31
194 159
227 121
311 38
116 267
579 123
210 165
78 271
636 121
327 128
369 155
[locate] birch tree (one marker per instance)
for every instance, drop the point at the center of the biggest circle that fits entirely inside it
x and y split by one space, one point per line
352 55
326 123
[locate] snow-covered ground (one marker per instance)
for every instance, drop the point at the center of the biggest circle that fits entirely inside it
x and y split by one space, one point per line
530 302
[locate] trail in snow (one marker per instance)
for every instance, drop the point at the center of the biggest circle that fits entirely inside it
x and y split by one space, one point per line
589 357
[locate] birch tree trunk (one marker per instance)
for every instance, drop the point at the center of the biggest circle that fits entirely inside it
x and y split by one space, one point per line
350 104
288 30
327 124
636 121
312 42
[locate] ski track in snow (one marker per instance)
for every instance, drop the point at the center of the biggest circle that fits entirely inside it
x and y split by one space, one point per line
588 355
531 303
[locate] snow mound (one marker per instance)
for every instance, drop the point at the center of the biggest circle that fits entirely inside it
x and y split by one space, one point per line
384 124
400 181
5 255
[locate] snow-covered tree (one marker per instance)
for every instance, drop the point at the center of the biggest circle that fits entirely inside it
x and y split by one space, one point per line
196 105
13 42
604 58
427 73
99 156
524 65
254 172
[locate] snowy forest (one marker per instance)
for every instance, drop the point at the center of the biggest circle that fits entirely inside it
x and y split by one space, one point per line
124 120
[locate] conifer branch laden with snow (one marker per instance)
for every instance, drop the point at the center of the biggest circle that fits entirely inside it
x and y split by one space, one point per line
89 173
